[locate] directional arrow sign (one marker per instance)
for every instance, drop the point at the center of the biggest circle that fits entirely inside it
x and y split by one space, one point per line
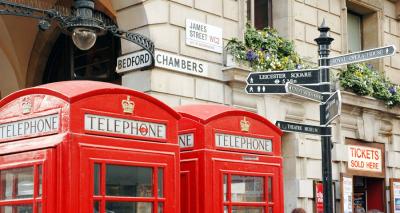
279 89
332 107
362 56
303 92
296 127
308 76
265 89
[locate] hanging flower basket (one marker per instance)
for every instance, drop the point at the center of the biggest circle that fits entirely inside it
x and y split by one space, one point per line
363 80
264 50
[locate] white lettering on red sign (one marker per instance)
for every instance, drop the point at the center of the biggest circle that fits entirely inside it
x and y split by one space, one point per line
365 158
186 140
243 143
42 125
106 124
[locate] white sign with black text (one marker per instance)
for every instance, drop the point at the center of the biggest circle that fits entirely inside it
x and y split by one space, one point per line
180 63
113 125
186 140
42 125
133 61
203 36
243 143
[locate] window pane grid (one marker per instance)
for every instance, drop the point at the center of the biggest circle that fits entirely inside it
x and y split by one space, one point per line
21 189
151 200
253 183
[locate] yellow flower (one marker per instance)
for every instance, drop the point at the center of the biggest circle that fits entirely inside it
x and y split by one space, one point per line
261 56
358 74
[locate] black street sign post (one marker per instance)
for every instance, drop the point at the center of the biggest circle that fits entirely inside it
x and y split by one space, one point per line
364 55
303 92
331 108
303 128
314 84
307 76
324 41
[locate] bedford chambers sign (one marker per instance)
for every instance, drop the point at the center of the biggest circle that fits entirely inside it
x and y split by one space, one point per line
142 59
243 143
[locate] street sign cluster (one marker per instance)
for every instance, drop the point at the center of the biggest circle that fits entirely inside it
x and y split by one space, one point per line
307 83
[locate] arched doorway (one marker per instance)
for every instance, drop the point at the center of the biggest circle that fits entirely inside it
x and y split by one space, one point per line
24 50
67 62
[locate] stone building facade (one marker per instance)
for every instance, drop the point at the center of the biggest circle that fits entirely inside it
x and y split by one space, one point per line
364 122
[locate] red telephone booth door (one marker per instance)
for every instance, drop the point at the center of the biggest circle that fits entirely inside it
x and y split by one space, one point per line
25 183
128 181
248 188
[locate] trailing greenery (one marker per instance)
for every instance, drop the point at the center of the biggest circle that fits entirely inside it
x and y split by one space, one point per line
362 79
265 50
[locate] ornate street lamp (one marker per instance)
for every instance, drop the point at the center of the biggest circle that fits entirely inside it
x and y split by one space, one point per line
84 24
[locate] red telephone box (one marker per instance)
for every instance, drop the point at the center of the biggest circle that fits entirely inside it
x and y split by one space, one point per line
230 161
82 146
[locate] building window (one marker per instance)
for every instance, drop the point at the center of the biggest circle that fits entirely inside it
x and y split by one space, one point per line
362 27
354 32
259 13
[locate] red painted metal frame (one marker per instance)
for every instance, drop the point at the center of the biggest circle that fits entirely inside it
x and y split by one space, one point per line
116 156
32 159
205 164
70 155
103 198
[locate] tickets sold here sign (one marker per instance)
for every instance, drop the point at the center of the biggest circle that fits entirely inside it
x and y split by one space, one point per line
364 158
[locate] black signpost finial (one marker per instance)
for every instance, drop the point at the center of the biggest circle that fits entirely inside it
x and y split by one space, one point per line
324 42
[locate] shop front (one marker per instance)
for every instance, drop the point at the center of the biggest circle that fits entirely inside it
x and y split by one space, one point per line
230 161
365 175
85 146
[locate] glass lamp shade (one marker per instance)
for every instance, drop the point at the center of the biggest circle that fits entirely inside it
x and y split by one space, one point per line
84 39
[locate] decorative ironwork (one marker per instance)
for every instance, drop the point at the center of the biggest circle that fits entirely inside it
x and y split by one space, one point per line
136 38
82 15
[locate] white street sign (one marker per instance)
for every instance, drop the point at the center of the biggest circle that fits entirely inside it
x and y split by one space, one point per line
203 36
133 61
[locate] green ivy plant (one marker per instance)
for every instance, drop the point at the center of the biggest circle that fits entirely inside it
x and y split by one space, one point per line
265 50
363 80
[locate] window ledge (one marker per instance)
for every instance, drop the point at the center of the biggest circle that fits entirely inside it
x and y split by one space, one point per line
236 74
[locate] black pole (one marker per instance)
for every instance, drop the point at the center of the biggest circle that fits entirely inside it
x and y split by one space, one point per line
323 42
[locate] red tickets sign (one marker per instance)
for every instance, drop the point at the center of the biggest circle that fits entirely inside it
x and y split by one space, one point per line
319 197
